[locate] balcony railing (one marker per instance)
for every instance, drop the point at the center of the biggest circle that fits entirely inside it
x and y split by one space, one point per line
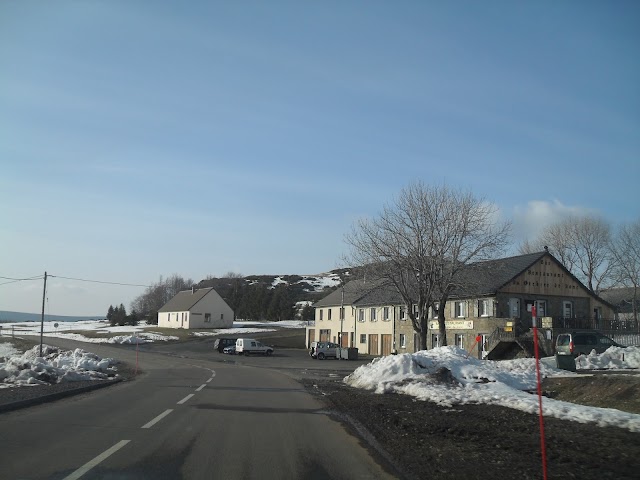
600 324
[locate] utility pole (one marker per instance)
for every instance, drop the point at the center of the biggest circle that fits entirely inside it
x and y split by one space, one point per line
44 295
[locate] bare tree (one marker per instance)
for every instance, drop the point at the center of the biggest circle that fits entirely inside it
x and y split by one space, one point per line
625 250
582 244
157 294
420 243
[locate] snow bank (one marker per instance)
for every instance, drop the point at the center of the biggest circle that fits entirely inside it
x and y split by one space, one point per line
55 366
447 376
612 358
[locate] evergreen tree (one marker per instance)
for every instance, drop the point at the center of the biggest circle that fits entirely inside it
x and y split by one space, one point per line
110 314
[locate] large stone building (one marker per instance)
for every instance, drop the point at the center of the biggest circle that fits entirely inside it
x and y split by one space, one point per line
493 301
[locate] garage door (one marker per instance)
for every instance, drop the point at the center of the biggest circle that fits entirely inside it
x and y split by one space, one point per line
386 344
373 345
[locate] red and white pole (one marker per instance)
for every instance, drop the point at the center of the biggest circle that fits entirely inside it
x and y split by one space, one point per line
537 354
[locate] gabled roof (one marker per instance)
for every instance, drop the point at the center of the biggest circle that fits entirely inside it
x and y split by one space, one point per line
487 277
353 292
476 279
185 300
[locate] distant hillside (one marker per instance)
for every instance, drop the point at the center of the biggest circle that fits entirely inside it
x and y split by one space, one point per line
7 317
275 297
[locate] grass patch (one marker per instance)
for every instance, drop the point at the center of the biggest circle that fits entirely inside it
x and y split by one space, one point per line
19 343
93 333
181 333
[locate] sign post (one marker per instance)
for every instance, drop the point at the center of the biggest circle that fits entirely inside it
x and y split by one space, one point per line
537 354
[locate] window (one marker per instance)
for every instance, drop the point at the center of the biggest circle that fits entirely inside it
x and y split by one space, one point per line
372 315
434 310
567 309
483 308
363 338
435 340
328 314
403 340
541 308
385 314
207 318
460 309
403 313
325 335
361 314
459 339
321 314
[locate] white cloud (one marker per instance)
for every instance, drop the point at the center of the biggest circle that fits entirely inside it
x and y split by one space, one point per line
529 220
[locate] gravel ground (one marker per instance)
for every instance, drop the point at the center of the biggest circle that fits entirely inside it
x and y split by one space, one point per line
424 440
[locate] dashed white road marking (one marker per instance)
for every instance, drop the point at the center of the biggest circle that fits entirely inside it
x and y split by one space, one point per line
100 458
158 418
201 387
185 398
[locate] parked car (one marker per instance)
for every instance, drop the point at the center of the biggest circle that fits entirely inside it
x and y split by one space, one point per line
221 343
583 343
230 350
247 346
322 350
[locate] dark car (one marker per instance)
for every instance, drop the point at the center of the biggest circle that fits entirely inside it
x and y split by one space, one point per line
582 343
221 343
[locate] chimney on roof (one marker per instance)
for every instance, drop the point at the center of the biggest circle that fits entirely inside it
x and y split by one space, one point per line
546 249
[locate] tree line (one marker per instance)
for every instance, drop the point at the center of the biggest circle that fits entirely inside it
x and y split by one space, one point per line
118 316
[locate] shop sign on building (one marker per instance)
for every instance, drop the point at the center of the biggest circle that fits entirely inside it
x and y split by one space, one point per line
452 324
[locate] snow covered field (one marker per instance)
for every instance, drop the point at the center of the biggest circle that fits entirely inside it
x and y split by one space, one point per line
423 374
130 334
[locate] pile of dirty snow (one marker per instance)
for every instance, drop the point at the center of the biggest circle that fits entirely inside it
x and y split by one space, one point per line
54 366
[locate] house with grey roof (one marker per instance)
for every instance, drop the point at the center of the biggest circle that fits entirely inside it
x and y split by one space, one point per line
625 300
196 308
492 301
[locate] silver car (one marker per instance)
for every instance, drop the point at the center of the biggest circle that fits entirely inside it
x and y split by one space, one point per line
322 350
582 343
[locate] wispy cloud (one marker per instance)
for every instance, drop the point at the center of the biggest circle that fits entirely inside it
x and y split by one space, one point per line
530 219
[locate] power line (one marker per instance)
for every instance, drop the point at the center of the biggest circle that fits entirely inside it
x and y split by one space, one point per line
15 280
100 281
37 277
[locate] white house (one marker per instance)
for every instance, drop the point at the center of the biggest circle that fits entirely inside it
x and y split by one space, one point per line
196 308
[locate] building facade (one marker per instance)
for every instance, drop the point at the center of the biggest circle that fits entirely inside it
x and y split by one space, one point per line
194 309
493 297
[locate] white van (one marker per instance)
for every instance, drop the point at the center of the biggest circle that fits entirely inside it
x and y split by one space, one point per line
247 346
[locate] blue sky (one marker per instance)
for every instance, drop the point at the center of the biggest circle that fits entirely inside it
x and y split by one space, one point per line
140 139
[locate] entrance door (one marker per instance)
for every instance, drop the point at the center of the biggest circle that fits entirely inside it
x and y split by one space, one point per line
483 347
514 307
344 339
386 344
312 337
373 344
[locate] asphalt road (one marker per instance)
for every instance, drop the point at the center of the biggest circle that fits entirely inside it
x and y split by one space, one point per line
193 414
